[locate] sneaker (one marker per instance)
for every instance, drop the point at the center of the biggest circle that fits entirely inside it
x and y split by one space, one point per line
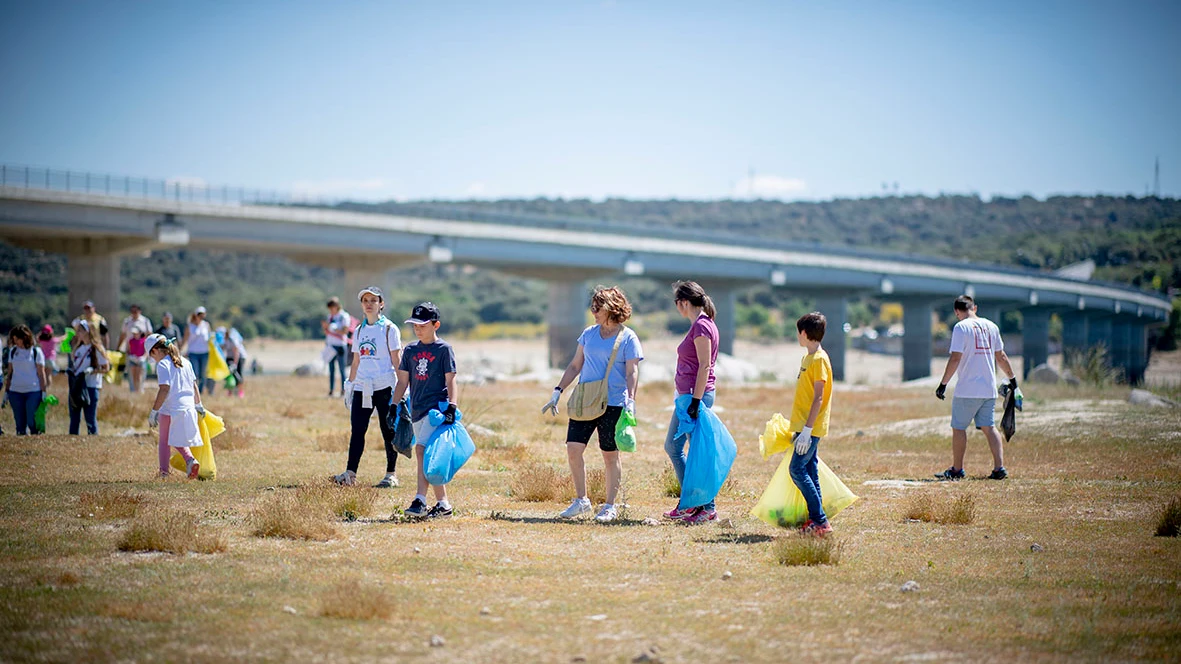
347 478
390 481
676 514
607 514
700 515
438 512
951 474
578 507
806 526
193 467
999 474
417 509
818 530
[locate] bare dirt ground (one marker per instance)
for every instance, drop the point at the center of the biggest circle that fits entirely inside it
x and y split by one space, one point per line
504 581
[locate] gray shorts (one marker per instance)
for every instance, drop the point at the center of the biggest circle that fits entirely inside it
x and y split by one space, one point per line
423 430
965 410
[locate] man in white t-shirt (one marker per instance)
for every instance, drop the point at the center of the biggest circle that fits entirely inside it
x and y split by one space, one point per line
976 350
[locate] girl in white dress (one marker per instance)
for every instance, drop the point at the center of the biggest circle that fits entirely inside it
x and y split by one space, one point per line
177 406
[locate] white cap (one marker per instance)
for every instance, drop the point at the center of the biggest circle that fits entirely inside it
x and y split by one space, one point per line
199 310
152 341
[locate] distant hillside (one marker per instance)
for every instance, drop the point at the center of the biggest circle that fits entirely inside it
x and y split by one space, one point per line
1135 241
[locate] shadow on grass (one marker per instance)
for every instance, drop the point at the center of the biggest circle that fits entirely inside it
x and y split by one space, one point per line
749 538
515 518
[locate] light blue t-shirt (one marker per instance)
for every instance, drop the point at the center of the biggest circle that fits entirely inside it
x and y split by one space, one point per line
596 351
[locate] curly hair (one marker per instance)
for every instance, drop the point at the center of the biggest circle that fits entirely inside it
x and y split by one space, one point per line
613 299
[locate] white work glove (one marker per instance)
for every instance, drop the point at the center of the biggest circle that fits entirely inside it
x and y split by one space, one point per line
552 404
804 441
347 394
629 404
154 419
200 411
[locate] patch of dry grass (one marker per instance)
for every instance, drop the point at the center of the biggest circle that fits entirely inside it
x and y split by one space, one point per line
235 438
333 441
110 504
538 482
1169 524
926 506
139 611
346 502
806 550
170 532
293 411
670 487
284 515
122 411
353 600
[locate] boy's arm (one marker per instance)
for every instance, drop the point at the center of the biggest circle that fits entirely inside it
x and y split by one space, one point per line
400 387
817 401
449 377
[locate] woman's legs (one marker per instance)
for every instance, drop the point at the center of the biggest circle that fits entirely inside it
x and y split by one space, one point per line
674 446
614 466
359 418
577 467
381 402
137 377
91 411
200 362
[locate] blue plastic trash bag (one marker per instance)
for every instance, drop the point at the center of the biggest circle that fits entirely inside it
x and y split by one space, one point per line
448 448
711 453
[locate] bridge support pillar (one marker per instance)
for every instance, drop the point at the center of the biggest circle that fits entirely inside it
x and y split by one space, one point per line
1099 332
359 276
992 312
725 301
1121 347
1137 354
1074 333
1035 336
94 277
834 307
916 341
566 319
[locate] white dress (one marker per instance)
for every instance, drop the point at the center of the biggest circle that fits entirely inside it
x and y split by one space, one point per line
179 405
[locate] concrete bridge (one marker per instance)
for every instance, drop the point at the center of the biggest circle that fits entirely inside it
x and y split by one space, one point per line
96 219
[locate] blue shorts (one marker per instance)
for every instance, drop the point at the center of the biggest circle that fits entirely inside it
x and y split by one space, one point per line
966 409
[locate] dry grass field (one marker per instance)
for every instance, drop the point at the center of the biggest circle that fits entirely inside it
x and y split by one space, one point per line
100 561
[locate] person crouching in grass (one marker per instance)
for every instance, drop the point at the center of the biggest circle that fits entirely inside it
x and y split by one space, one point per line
177 405
428 371
809 419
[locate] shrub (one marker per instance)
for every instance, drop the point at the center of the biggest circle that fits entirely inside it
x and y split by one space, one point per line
348 503
292 411
669 484
1169 524
121 411
806 550
924 507
1093 366
353 600
110 504
538 483
171 532
234 438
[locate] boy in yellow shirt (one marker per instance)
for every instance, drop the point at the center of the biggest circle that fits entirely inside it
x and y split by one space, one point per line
809 417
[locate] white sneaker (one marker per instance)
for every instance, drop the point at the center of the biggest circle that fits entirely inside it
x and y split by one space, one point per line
607 514
578 507
347 478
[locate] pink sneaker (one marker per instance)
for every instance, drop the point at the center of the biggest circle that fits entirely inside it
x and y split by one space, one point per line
678 514
700 515
818 531
194 468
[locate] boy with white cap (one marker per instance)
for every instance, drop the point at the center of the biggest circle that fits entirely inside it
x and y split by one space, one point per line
377 349
177 405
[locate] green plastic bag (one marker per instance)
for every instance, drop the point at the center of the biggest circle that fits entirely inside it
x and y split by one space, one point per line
64 346
39 417
625 432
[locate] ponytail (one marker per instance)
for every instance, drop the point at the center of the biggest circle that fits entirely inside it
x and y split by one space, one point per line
174 354
694 294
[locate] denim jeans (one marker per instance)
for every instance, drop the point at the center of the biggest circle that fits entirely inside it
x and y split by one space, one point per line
674 445
200 363
24 410
804 474
333 364
91 411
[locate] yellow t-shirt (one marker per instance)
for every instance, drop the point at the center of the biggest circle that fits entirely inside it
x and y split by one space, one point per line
813 367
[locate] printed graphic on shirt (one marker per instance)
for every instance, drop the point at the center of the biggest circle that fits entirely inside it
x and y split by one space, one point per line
367 349
421 364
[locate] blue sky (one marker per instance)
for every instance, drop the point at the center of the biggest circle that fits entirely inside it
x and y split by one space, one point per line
633 99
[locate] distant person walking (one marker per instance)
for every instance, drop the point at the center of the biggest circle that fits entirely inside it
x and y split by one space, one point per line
976 350
25 378
49 344
607 351
196 345
89 362
696 356
234 348
98 325
336 336
136 328
168 328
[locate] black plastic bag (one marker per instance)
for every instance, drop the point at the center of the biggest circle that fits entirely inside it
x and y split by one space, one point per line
1009 419
399 421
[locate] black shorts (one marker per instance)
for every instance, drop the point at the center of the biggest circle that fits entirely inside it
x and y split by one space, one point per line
580 431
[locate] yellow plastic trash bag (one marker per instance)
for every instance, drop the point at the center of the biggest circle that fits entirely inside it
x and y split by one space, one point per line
783 505
776 437
217 369
210 426
118 362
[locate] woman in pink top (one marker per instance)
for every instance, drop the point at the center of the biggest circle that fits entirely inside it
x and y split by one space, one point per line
696 356
49 344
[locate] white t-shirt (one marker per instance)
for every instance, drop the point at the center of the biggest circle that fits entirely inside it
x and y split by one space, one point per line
130 325
25 363
199 338
978 339
182 386
374 345
340 324
82 363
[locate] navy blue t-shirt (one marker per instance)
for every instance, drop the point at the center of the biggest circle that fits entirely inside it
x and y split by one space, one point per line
428 365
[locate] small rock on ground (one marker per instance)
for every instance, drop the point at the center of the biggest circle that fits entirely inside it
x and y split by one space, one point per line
651 656
437 641
1145 398
291 610
485 611
651 522
727 574
1036 548
910 587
